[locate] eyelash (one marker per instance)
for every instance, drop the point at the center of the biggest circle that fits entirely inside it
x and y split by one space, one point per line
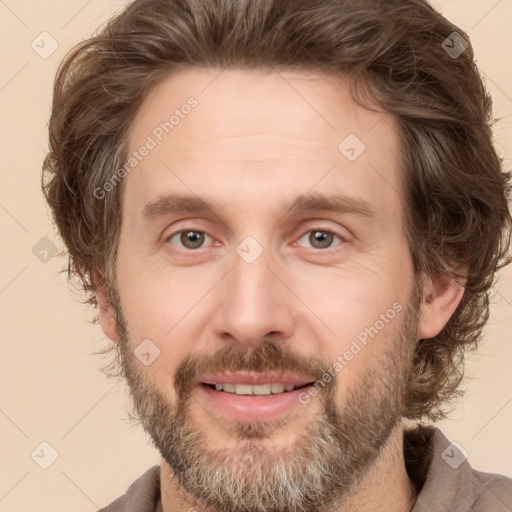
317 229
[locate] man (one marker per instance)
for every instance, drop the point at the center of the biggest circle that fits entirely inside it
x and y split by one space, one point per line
289 215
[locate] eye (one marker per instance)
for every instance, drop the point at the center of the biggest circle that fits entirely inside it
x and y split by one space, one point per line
320 238
188 238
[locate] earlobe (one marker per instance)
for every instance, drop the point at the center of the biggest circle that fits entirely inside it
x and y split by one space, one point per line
442 295
106 313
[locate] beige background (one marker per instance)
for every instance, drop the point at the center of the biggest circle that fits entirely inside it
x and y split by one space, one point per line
52 390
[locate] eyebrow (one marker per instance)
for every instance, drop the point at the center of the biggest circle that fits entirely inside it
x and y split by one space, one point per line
304 203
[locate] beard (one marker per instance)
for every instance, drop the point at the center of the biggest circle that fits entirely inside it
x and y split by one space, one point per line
320 470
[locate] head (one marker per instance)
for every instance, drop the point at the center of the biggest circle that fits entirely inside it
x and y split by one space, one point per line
258 112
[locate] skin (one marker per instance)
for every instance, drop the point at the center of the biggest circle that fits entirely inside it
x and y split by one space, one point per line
255 141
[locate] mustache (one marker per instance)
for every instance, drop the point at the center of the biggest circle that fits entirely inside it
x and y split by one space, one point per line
268 356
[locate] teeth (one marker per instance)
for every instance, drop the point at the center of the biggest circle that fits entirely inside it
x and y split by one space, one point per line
277 388
259 389
243 389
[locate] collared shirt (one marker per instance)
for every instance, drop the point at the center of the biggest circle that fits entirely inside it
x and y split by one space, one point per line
442 476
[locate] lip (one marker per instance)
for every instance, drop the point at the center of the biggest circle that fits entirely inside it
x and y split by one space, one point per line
249 408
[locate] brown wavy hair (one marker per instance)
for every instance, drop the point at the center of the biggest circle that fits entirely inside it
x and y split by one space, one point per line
455 187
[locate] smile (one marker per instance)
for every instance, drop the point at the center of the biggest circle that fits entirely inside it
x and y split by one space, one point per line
259 389
251 396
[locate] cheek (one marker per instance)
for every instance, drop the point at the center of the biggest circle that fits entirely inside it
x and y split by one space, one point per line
156 296
355 294
361 307
162 305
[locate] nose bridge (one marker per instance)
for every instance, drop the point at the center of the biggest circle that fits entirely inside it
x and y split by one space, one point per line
251 280
254 302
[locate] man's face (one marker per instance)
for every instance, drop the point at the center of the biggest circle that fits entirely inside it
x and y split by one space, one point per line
258 290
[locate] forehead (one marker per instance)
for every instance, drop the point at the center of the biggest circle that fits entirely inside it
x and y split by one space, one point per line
295 108
263 127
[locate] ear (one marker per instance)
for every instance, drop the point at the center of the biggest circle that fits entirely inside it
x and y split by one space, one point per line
442 294
106 313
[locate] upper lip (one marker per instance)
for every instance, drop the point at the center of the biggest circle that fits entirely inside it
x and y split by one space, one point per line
254 378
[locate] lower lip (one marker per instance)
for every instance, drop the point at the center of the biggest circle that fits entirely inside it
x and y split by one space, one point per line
251 407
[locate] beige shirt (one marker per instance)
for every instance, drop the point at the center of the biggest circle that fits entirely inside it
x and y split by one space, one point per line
441 474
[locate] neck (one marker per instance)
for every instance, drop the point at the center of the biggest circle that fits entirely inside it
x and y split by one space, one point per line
385 487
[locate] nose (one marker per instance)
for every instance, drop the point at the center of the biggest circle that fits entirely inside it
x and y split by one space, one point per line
254 303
